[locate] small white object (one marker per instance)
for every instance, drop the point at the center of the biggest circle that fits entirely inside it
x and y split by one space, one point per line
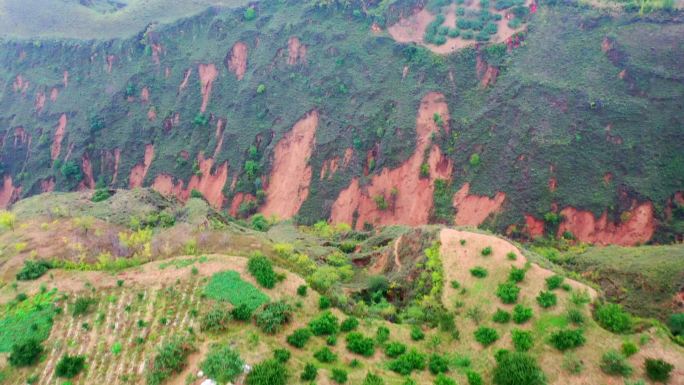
246 368
200 374
208 382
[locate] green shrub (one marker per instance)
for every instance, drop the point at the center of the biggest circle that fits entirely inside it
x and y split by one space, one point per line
282 355
242 312
249 14
474 378
511 256
567 339
325 355
575 316
299 337
261 88
547 299
478 272
259 222
408 362
229 286
580 298
324 302
349 324
382 334
338 375
70 366
261 269
486 251
301 290
521 314
33 270
360 344
310 372
442 379
486 336
657 369
615 364
394 349
629 348
501 316
611 317
215 320
474 160
373 379
82 306
170 359
438 364
676 323
522 340
222 364
508 292
554 282
325 324
273 316
516 275
514 368
331 340
100 195
25 353
268 372
417 333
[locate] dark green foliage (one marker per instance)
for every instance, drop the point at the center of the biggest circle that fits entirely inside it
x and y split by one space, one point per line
442 379
514 368
25 353
567 339
547 299
508 292
382 335
324 302
522 340
575 316
82 306
200 120
676 324
501 316
438 364
259 222
417 333
222 364
511 256
338 375
299 337
474 378
521 314
242 312
170 359
516 275
70 366
615 364
360 344
554 282
301 290
33 270
629 348
271 318
442 196
249 14
310 372
349 324
478 272
282 355
394 349
71 171
486 336
325 355
229 286
261 269
215 320
325 324
611 317
331 340
373 379
268 372
408 362
486 251
100 195
658 370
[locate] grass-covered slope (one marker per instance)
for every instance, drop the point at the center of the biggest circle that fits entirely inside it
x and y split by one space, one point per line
581 103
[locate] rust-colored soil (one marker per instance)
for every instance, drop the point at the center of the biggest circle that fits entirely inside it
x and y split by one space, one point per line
288 185
220 126
145 95
65 79
296 51
186 79
239 199
59 135
54 93
40 101
21 137
637 227
237 63
9 193
472 210
329 168
208 183
408 195
139 171
47 185
110 63
535 227
207 74
117 159
88 182
152 114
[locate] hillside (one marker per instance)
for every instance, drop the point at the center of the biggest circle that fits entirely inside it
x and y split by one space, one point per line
314 113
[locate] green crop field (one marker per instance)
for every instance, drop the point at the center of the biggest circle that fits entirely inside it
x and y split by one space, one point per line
228 286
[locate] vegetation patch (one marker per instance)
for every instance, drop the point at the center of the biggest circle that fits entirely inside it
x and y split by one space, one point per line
228 286
27 320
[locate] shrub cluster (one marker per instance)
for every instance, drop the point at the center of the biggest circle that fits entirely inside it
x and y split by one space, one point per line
501 316
408 362
508 292
171 358
554 282
394 349
615 364
299 337
325 355
486 336
261 269
360 344
521 314
337 375
272 316
325 324
70 366
215 320
658 370
515 368
611 317
567 339
522 340
438 364
547 299
25 353
222 364
516 275
268 372
479 272
349 324
33 270
310 372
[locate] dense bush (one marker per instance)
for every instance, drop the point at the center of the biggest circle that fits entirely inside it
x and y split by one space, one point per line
373 379
261 269
310 372
325 355
299 337
33 270
676 324
629 349
325 324
337 375
82 306
408 362
508 292
474 378
514 368
301 290
70 366
567 339
170 359
242 312
360 344
521 314
324 303
516 275
259 222
522 340
222 364
438 364
575 316
611 317
554 282
349 324
547 299
486 336
442 379
487 250
25 353
100 195
615 364
268 372
478 272
394 349
215 320
658 370
501 316
417 333
272 316
282 355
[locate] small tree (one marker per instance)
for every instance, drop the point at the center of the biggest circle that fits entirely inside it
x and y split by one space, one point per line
486 336
268 372
25 353
310 372
299 337
70 366
658 370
